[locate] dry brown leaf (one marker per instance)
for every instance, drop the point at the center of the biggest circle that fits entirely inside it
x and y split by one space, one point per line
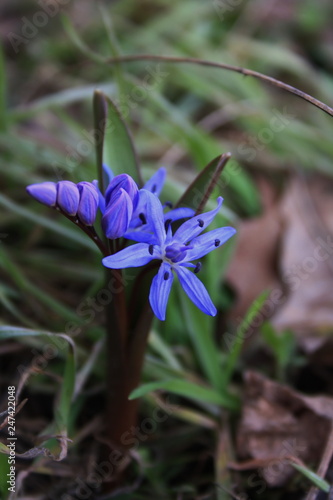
277 423
290 249
253 266
306 256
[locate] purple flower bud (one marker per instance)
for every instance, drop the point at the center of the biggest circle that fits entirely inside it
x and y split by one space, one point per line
44 192
88 203
117 216
122 181
68 197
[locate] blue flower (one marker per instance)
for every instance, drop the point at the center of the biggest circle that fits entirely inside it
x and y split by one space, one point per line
175 251
124 208
140 228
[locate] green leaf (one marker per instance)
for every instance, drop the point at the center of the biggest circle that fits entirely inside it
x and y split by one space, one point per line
235 343
199 191
100 116
118 149
189 390
63 405
200 328
157 343
59 340
312 476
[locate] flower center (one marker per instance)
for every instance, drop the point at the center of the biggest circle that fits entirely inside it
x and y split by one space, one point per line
176 252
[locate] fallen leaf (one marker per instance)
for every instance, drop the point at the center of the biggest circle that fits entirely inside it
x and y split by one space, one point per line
253 267
278 423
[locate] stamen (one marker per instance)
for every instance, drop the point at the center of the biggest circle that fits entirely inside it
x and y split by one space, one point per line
201 223
167 224
166 275
143 219
154 188
197 267
217 242
151 249
168 204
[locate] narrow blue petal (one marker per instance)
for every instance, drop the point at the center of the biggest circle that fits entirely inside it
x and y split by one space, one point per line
87 210
195 290
141 236
156 182
179 213
154 214
160 290
134 256
68 197
209 241
108 175
44 192
194 226
117 217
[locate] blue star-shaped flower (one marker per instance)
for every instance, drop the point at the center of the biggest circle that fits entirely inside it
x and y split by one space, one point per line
176 251
124 209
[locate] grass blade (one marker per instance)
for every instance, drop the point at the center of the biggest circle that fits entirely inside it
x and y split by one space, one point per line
189 390
240 335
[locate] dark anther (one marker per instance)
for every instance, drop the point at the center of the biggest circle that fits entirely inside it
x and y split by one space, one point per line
166 275
167 224
151 249
168 204
154 188
201 222
143 219
197 267
217 242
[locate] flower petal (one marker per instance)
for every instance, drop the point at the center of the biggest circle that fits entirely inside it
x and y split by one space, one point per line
88 203
156 182
108 175
68 197
179 213
209 241
160 290
133 256
195 290
44 192
117 217
154 215
194 226
141 236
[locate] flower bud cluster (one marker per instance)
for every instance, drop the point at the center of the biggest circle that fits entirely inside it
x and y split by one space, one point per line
74 200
